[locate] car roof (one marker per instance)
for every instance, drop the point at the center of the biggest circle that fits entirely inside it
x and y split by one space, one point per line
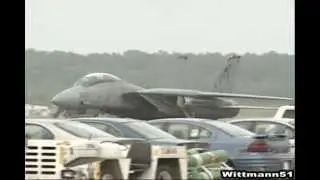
49 120
217 122
260 119
173 119
110 119
285 121
288 107
196 120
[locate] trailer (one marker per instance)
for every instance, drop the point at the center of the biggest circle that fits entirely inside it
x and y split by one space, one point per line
94 159
45 159
166 162
146 162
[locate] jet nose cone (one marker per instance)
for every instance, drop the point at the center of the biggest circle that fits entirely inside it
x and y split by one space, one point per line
67 99
57 100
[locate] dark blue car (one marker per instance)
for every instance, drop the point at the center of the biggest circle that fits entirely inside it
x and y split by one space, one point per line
246 150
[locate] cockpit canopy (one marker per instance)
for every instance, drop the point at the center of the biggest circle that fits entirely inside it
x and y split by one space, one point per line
96 78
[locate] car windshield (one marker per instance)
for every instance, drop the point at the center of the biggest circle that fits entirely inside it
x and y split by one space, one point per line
289 114
274 129
81 130
148 131
231 129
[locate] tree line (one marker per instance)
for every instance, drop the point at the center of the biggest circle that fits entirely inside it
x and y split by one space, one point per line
270 73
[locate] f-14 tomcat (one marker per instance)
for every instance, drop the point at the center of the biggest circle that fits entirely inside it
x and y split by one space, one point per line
110 94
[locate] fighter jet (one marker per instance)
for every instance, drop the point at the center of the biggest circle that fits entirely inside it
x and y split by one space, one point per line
113 95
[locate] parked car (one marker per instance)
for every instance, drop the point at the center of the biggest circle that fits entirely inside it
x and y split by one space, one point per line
269 126
131 128
246 150
48 130
53 129
285 112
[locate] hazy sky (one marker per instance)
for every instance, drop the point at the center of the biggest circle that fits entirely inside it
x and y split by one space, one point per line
225 26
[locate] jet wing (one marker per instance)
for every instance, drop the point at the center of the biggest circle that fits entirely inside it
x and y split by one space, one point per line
206 95
168 100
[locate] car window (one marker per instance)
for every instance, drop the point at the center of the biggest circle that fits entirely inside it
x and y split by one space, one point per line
270 128
197 132
148 131
81 130
106 128
275 128
180 131
230 129
113 130
194 132
35 131
290 133
204 133
244 125
100 126
188 131
289 114
158 125
262 127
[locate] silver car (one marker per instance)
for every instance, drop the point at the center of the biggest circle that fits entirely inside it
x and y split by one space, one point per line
247 151
268 126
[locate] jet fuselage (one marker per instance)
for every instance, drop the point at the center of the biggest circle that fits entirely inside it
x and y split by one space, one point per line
114 98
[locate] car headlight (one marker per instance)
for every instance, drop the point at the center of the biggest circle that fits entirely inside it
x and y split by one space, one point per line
68 174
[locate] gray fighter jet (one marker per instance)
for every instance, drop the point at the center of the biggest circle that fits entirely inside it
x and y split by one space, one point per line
110 94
